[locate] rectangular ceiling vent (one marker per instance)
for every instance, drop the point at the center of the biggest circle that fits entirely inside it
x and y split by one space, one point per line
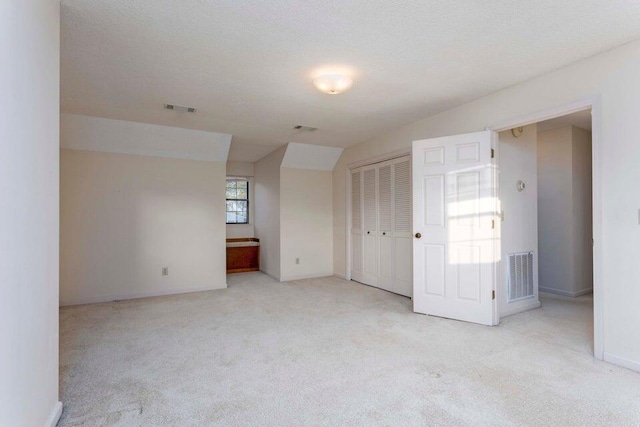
305 128
179 108
520 276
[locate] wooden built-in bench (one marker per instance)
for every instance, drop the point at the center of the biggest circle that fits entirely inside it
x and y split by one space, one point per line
243 254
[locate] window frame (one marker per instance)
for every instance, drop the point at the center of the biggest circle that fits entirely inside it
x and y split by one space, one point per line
247 222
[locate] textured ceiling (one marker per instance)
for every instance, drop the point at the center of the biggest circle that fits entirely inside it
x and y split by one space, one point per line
247 66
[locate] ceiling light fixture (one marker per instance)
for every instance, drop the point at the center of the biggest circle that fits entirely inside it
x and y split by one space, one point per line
332 84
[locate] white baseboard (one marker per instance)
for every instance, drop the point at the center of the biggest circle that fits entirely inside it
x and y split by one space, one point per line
273 276
621 361
53 419
342 276
515 309
305 276
566 293
111 298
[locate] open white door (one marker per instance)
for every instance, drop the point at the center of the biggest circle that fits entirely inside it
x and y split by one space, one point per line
456 243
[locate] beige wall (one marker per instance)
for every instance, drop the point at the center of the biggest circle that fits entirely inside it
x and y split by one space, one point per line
125 217
519 229
29 214
247 170
306 221
582 210
240 169
564 166
267 213
611 78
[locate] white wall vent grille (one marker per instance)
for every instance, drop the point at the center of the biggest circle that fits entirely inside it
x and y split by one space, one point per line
520 276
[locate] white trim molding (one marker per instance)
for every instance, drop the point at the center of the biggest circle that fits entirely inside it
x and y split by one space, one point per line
621 361
122 297
306 276
53 419
508 311
566 293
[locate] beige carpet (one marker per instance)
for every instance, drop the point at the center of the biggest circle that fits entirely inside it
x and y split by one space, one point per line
331 352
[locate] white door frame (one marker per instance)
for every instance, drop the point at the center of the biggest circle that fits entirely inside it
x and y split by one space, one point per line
347 201
594 103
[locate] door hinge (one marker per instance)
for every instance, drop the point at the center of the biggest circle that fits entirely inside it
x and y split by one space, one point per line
492 153
493 223
493 295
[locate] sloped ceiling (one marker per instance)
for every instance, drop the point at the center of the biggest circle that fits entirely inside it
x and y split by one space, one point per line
307 156
247 66
119 136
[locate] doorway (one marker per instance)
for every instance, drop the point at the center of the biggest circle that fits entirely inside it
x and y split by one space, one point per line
468 183
545 178
583 114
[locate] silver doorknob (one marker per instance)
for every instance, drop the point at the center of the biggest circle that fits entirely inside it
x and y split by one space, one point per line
418 235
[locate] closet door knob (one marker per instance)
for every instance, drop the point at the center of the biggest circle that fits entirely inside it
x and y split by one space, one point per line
368 232
418 235
384 233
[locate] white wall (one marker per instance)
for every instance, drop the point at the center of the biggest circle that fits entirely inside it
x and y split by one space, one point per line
267 214
611 77
306 223
124 217
519 230
240 169
29 170
294 212
582 210
245 170
564 177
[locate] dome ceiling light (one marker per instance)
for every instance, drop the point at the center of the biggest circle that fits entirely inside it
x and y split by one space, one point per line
332 84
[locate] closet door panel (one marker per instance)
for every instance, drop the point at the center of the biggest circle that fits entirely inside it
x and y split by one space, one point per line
369 241
381 238
403 243
385 227
356 225
403 284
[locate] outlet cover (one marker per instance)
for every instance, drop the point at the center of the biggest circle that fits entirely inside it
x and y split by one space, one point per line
165 271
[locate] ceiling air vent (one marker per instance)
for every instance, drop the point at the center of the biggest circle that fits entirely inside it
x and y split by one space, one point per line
179 108
305 128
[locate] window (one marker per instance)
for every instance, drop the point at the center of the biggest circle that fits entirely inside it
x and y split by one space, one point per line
237 201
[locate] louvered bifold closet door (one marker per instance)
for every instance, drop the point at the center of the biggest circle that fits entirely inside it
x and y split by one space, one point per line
356 225
385 227
403 270
370 228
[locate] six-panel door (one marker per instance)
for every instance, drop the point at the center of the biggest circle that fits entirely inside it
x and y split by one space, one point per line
454 212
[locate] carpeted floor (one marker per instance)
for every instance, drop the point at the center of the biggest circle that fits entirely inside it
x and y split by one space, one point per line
331 352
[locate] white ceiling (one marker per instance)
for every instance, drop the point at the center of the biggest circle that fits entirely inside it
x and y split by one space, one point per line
581 119
247 66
